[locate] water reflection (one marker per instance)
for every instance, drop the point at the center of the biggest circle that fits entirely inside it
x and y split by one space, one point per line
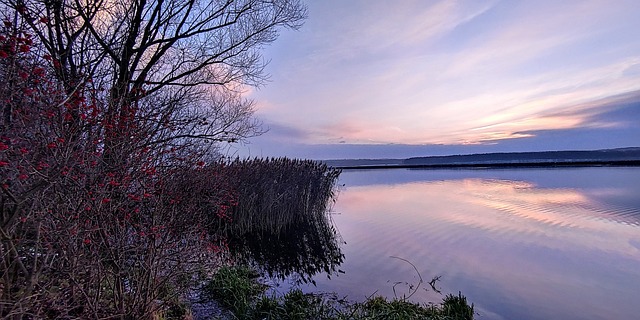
521 244
280 223
297 251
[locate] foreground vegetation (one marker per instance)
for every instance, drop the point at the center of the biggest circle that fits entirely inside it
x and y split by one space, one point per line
238 289
143 264
112 116
280 223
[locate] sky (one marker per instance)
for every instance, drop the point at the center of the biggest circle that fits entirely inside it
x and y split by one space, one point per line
397 79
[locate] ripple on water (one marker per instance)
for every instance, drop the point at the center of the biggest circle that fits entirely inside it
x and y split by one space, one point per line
509 246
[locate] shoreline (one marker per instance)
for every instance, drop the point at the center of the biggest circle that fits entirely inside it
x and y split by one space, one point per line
498 165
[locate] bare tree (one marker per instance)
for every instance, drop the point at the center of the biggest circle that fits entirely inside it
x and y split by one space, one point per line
106 107
174 64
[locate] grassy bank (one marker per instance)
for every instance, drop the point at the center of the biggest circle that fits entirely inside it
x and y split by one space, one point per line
239 290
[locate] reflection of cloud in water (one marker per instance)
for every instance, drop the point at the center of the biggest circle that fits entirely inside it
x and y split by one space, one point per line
502 242
508 206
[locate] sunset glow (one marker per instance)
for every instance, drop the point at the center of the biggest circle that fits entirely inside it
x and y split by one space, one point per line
453 73
511 206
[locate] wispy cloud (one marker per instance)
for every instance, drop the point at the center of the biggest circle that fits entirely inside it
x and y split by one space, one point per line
451 72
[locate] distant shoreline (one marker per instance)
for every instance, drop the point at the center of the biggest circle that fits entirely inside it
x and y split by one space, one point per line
627 157
497 165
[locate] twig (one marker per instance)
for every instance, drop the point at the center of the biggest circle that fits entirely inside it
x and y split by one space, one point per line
432 283
419 276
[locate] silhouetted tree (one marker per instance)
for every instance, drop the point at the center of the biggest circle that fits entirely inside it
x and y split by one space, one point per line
167 70
105 108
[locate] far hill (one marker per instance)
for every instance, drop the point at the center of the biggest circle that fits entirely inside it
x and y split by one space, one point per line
622 156
545 156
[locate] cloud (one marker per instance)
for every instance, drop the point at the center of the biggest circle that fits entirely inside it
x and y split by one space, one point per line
613 122
617 111
450 72
632 71
278 131
379 27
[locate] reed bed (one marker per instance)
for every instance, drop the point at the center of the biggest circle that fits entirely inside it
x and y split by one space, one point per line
280 222
274 193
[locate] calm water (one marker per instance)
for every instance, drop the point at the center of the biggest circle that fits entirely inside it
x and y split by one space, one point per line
519 243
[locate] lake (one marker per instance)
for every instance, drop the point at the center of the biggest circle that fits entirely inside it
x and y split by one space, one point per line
519 243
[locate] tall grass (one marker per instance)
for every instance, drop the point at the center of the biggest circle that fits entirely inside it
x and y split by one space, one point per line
274 193
280 221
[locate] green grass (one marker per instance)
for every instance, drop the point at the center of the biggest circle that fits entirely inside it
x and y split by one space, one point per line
238 289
